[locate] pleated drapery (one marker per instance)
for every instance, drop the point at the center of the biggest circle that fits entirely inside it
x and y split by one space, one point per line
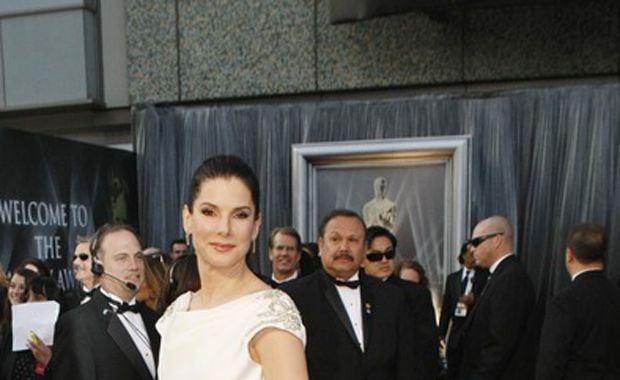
546 158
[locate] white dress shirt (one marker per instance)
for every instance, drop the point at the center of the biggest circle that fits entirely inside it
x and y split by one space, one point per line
469 272
136 329
352 301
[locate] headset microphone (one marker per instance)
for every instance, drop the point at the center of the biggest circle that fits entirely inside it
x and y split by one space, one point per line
129 285
97 269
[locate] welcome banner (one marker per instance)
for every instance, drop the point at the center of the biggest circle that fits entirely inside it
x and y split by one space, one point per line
54 190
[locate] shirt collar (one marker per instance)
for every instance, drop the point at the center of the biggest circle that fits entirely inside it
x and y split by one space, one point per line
116 298
495 264
354 277
584 271
86 290
289 278
469 271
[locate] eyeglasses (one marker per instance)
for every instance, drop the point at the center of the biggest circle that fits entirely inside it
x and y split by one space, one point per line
82 256
378 256
481 239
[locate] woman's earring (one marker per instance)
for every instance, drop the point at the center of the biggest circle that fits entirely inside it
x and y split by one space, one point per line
189 242
254 246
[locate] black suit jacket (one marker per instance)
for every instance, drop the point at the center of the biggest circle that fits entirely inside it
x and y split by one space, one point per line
581 333
332 351
90 342
425 343
496 333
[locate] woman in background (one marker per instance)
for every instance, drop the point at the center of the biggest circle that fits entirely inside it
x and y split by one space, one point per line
235 326
182 277
155 269
413 271
26 286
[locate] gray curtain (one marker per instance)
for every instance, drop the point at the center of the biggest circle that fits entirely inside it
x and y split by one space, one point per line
546 158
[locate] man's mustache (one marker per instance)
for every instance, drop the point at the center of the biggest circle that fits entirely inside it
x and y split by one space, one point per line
344 255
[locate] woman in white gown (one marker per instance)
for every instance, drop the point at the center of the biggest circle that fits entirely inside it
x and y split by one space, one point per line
235 327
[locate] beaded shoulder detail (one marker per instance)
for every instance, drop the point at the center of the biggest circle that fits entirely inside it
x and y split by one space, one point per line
280 311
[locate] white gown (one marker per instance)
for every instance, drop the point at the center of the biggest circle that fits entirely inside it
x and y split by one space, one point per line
214 343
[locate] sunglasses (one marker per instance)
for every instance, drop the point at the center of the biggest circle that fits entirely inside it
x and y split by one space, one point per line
378 256
481 239
156 256
82 256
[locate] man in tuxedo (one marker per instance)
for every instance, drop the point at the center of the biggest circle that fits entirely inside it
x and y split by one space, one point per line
496 334
580 338
110 337
357 326
284 253
462 289
88 281
379 263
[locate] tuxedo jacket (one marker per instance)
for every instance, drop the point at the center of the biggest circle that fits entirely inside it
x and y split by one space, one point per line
425 342
497 335
451 297
74 297
332 350
90 342
580 338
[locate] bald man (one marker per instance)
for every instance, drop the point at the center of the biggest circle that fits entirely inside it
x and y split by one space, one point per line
580 338
494 344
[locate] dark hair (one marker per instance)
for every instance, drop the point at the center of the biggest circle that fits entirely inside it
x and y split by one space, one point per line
183 276
416 266
105 230
224 167
44 286
28 275
463 251
289 231
374 232
5 313
588 242
340 212
311 249
42 269
176 241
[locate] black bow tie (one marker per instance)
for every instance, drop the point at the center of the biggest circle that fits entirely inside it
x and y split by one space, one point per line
348 284
88 293
124 307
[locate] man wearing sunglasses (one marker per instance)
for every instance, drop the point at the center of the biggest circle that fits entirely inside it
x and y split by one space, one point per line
88 282
496 336
379 262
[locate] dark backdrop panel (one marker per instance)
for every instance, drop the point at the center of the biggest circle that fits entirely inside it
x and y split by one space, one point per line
546 158
54 190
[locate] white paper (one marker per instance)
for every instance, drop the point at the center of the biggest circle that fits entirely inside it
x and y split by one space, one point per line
38 317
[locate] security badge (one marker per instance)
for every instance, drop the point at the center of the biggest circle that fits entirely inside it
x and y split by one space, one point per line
460 310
